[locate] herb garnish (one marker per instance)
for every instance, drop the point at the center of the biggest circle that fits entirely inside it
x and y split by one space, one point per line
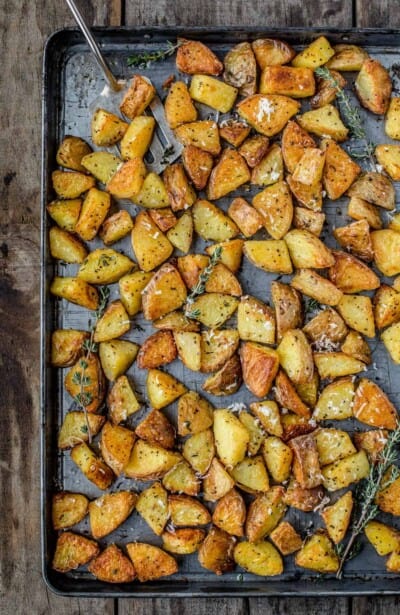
84 398
200 287
143 60
365 507
312 305
168 152
352 117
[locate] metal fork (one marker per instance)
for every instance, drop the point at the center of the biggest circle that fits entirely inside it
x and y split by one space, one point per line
163 138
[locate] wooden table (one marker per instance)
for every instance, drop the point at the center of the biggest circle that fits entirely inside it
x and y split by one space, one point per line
24 28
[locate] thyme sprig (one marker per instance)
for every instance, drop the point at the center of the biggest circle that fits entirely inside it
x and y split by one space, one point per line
200 287
143 60
351 115
84 398
366 509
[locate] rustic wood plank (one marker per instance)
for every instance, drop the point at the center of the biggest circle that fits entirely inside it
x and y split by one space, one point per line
377 14
276 13
187 606
306 606
377 605
23 29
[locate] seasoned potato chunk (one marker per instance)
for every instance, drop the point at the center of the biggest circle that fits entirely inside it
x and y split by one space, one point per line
295 356
259 558
288 308
128 179
104 266
285 537
183 541
318 554
268 114
272 52
315 286
164 293
374 86
203 134
336 364
340 170
210 222
217 482
116 446
71 184
162 388
347 57
150 562
241 69
107 128
234 131
373 407
264 514
152 505
286 80
179 107
102 165
121 400
346 471
198 165
278 458
194 414
231 437
374 188
185 510
230 513
251 475
199 450
73 551
260 365
67 509
306 467
149 461
389 157
71 151
295 140
384 539
112 566
92 466
139 95
275 206
230 172
194 57
391 339
392 126
386 249
356 238
307 251
335 401
114 323
156 429
337 517
272 255
256 321
76 426
116 357
351 275
316 54
67 346
109 511
216 552
214 93
75 290
245 216
137 139
93 388
324 122
65 212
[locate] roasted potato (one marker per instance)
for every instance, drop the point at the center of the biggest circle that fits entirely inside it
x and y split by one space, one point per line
194 414
194 57
254 149
259 558
391 338
157 350
150 245
72 551
392 119
162 388
198 165
188 345
217 346
374 188
164 293
386 250
295 356
150 562
346 471
163 217
213 309
255 321
267 412
275 206
139 95
324 122
113 323
337 517
388 156
295 140
357 312
336 364
372 406
303 499
92 466
213 93
76 291
153 194
104 266
102 165
260 365
332 444
234 131
109 511
264 514
268 114
374 86
107 128
315 286
210 222
150 461
272 255
227 380
216 551
203 134
112 566
71 151
278 458
306 467
128 179
231 437
272 52
285 537
65 212
180 193
199 451
359 209
287 396
286 80
318 554
75 428
121 400
240 69
181 479
67 346
138 136
307 251
230 172
67 509
340 170
309 220
356 238
217 482
230 513
310 167
179 107
116 357
245 216
152 505
116 227
351 275
347 57
327 91
183 541
384 539
71 184
86 378
288 308
356 346
316 54
251 475
116 446
231 254
185 510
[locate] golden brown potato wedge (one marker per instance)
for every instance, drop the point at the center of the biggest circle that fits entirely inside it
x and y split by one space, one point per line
374 188
150 245
285 537
388 156
241 69
254 149
233 131
186 511
227 380
271 255
295 140
374 86
109 511
309 220
217 482
307 196
260 365
153 194
357 312
156 429
71 184
255 321
386 249
112 566
152 505
359 209
318 554
150 562
388 498
231 254
104 266
306 468
267 412
179 107
310 167
251 475
164 293
255 430
337 517
128 179
287 396
384 539
259 558
213 93
72 551
198 165
275 206
356 346
332 444
188 345
307 251
195 414
356 238
116 446
92 466
180 193
315 286
199 450
162 388
350 275
288 308
76 426
231 437
287 80
194 57
326 327
316 54
264 514
158 349
217 346
216 552
347 57
71 151
210 222
213 309
183 541
390 338
346 471
163 217
116 227
335 401
181 479
392 119
107 128
130 290
102 165
326 91
203 134
268 114
67 509
139 95
278 458
295 356
113 323
65 212
76 291
373 407
340 170
245 216
324 122
86 379
229 173
230 513
116 357
336 364
272 52
150 461
373 442
137 138
303 499
386 306
67 346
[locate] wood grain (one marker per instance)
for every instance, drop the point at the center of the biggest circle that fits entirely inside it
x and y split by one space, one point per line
379 605
378 14
308 606
187 606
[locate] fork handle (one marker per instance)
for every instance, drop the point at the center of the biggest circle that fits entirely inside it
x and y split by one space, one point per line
93 46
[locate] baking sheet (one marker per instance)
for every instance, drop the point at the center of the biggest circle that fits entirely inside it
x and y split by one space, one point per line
72 80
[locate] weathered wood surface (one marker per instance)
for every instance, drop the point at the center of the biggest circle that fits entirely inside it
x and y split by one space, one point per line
24 26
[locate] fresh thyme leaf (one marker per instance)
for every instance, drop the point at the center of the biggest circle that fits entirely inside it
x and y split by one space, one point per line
143 60
168 152
312 305
193 314
200 287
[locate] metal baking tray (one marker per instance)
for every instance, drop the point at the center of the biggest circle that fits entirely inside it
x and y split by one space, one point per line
71 80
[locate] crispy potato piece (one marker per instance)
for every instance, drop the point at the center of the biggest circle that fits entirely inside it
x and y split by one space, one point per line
255 321
309 220
71 151
374 188
158 349
386 249
149 461
264 514
233 131
216 552
181 479
357 312
272 52
245 216
217 346
295 140
350 275
285 537
313 285
268 114
295 356
114 323
384 539
308 391
116 227
183 541
65 246
227 380
289 81
340 170
203 134
104 266
164 293
356 238
288 308
74 429
267 412
213 309
198 165
346 471
303 499
229 173
231 254
306 468
150 562
76 291
67 509
388 156
390 338
153 194
337 517
72 551
324 122
112 566
199 450
392 119
254 149
107 128
109 511
139 95
250 475
275 206
151 247
212 92
359 209
130 290
121 400
230 513
286 395
318 554
259 558
156 429
116 357
336 364
210 222
66 346
373 443
307 196
256 432
316 54
308 251
310 166
71 184
94 385
65 212
326 91
373 86
386 306
194 414
188 345
231 437
393 562
163 217
327 327
176 321
278 458
185 510
356 346
347 57
178 105
190 266
137 138
388 498
194 57
217 482
271 255
180 193
128 180
92 466
332 444
152 505
102 165
260 365
162 388
373 407
116 446
241 69
294 425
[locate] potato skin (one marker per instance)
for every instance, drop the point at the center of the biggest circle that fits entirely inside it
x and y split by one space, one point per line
374 86
112 566
194 57
216 552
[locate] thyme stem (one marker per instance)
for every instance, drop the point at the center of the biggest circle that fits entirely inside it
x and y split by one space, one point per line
143 60
200 287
